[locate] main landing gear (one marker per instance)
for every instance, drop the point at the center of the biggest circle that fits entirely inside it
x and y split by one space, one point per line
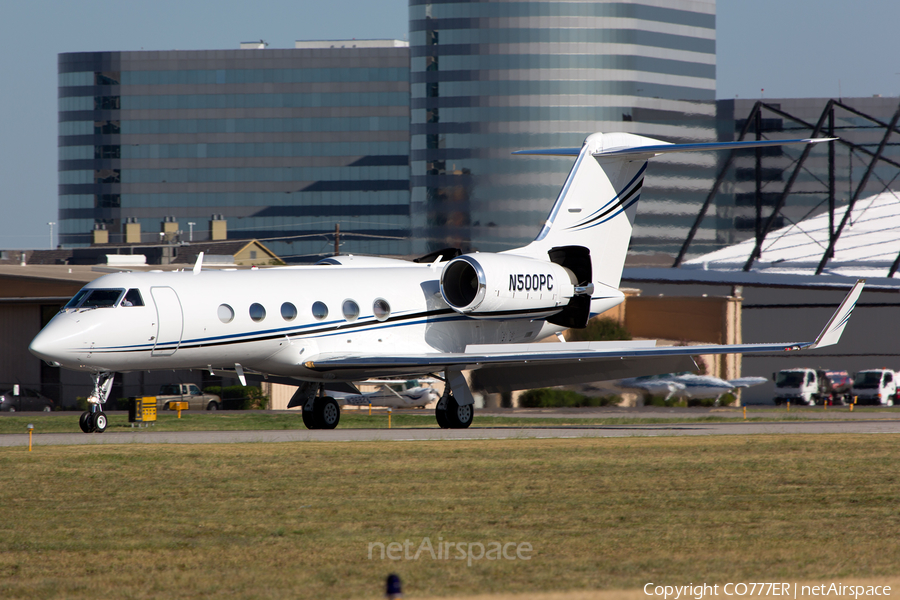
451 413
321 412
94 420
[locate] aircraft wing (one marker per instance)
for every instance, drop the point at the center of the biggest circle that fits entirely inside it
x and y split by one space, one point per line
504 367
745 382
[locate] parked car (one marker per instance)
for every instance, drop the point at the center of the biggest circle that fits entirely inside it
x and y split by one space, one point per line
19 399
186 392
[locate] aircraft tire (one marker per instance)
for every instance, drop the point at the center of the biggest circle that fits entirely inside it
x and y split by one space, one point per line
309 418
459 417
100 422
440 414
84 422
327 413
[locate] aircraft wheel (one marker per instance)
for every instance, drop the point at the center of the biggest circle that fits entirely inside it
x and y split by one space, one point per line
440 413
459 417
309 419
327 413
100 422
85 422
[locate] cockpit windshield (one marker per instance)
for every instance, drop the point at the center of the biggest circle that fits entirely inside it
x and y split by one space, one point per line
76 299
97 298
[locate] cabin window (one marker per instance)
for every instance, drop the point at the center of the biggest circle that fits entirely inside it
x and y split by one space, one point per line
319 310
226 313
133 298
381 308
257 312
288 311
350 310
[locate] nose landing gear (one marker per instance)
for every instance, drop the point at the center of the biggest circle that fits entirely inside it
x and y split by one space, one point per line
94 420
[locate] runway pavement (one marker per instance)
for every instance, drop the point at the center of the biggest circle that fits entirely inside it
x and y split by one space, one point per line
856 426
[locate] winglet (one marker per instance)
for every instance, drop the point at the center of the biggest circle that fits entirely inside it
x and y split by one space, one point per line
832 332
199 264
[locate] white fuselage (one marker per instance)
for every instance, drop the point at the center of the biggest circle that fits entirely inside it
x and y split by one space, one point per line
183 323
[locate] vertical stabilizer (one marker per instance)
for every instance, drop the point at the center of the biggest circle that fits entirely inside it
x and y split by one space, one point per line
596 207
597 204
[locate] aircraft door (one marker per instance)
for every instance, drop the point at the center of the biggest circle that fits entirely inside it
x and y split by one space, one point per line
169 321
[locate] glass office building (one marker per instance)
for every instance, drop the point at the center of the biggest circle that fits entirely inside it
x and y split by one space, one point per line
489 78
280 144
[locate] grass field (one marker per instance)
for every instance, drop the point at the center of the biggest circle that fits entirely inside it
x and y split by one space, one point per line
60 422
295 520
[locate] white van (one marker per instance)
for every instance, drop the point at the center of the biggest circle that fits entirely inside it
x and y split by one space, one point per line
875 386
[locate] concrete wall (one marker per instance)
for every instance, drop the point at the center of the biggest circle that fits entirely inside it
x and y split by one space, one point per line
708 320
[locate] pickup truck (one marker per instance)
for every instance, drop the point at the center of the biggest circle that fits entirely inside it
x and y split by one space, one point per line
187 392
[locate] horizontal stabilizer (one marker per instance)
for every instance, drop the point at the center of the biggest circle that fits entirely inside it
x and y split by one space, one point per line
656 149
665 148
551 152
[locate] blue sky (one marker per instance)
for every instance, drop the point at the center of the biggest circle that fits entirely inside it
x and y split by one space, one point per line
790 48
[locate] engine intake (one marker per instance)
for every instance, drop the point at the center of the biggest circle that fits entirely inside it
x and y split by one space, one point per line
487 285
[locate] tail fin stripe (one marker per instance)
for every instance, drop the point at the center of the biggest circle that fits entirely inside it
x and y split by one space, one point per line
591 216
615 210
623 209
622 205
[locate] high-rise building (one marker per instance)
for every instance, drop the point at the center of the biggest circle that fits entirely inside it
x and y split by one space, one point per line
275 144
489 78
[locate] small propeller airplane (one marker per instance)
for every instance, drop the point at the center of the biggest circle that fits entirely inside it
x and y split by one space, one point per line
352 318
687 385
391 393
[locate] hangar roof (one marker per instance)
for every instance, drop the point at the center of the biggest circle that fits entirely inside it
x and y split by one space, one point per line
868 246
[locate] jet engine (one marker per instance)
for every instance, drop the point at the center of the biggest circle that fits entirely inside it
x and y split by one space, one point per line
502 286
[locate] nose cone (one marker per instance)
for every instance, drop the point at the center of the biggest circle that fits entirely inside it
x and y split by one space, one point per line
46 347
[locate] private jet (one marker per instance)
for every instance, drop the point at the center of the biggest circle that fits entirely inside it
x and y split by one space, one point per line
687 385
350 319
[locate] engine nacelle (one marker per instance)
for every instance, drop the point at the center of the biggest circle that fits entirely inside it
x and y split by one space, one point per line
503 286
